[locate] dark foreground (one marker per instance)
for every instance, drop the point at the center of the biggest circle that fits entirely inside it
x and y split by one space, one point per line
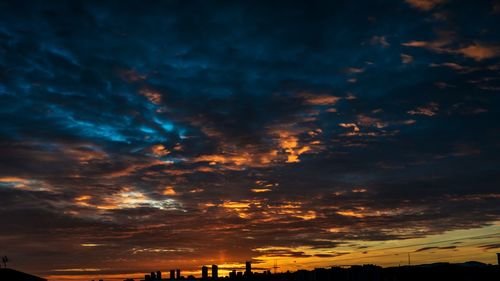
469 271
443 271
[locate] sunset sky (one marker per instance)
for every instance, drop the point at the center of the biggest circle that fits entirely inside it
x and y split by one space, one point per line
145 135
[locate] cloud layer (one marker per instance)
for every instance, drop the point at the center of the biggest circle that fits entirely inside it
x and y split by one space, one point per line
191 132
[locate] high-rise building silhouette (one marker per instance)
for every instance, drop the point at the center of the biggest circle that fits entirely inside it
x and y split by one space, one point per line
153 276
498 259
248 268
178 274
158 275
204 272
215 271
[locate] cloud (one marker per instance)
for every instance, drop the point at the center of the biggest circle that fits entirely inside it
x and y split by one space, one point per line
282 252
379 40
121 133
430 109
436 248
445 44
425 5
354 70
478 51
491 246
319 99
406 59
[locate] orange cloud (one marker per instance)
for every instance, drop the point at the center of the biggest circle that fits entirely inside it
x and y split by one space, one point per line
365 120
169 190
319 99
25 184
13 180
451 65
354 70
425 5
350 214
350 125
291 146
152 96
479 52
430 109
159 150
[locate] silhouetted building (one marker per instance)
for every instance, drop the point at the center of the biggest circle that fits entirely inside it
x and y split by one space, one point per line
232 274
498 258
178 274
158 275
14 275
248 268
147 277
239 274
172 274
215 271
204 272
153 276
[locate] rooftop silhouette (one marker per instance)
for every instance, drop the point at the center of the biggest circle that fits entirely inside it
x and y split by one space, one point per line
9 274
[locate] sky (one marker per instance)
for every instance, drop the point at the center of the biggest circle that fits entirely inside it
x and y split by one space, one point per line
139 136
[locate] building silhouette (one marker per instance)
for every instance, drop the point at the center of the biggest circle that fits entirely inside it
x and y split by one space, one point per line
215 271
248 268
204 272
439 271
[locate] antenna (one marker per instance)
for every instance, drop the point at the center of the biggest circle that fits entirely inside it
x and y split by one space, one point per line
275 267
409 263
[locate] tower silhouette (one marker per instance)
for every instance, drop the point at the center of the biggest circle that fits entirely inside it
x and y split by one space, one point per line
275 267
248 268
215 271
204 272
